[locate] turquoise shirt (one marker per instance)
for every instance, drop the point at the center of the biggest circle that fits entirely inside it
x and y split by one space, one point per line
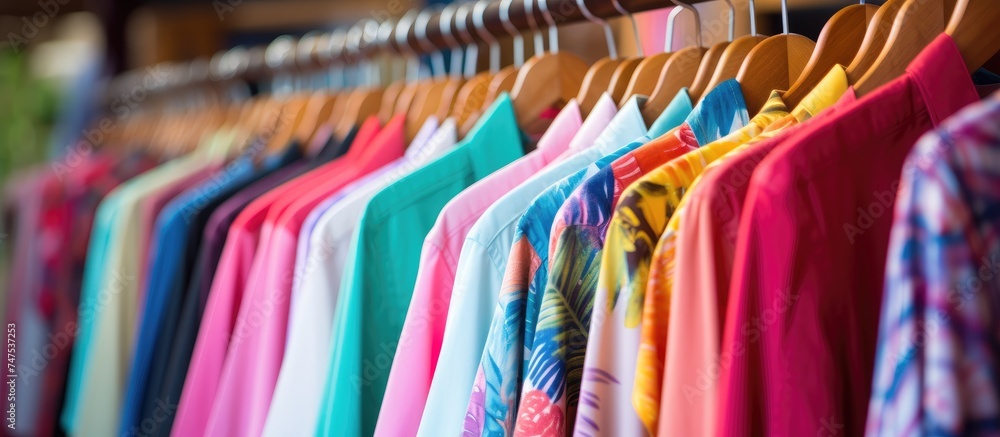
675 114
381 272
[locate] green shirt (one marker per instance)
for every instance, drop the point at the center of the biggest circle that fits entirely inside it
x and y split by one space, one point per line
380 274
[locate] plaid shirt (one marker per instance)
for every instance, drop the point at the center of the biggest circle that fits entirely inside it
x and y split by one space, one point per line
938 364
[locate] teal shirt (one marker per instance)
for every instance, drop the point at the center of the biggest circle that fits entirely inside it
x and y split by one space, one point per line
674 114
380 274
100 236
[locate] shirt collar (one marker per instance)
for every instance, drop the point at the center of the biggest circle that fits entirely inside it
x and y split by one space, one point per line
626 126
826 93
938 64
673 115
556 138
422 138
602 114
721 106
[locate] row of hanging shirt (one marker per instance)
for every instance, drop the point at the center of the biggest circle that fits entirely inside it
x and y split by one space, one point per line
707 273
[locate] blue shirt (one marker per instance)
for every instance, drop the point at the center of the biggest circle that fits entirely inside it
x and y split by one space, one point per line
169 265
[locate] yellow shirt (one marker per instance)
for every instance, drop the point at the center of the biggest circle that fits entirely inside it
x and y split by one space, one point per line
639 217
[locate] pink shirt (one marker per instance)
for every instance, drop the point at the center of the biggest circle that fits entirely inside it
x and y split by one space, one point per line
219 319
420 341
254 358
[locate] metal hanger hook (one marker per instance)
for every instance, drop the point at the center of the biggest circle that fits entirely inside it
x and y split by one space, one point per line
445 22
784 16
529 11
732 19
420 32
472 48
478 14
553 29
635 26
514 33
697 20
752 11
608 33
402 41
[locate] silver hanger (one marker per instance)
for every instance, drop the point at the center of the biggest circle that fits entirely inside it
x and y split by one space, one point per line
553 29
609 36
445 22
514 33
697 24
635 26
478 11
420 32
529 12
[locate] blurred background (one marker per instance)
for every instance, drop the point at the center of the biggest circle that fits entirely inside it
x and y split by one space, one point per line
56 55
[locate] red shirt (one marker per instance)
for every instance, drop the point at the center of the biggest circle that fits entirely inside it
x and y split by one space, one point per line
802 321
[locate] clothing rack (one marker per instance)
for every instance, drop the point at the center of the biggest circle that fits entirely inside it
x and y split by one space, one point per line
369 37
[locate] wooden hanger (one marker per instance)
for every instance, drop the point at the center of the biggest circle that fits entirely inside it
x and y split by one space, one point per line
732 58
597 81
710 60
679 71
774 64
360 104
502 82
546 81
875 39
973 26
838 43
320 102
366 99
916 25
287 122
478 93
428 97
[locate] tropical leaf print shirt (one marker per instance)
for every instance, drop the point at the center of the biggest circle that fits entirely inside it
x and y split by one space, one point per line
551 390
635 227
496 392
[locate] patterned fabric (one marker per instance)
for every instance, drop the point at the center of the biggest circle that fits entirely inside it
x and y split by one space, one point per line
554 374
84 189
613 347
510 342
938 366
496 391
681 331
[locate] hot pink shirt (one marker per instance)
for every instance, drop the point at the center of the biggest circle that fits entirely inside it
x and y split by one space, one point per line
221 309
803 311
420 341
